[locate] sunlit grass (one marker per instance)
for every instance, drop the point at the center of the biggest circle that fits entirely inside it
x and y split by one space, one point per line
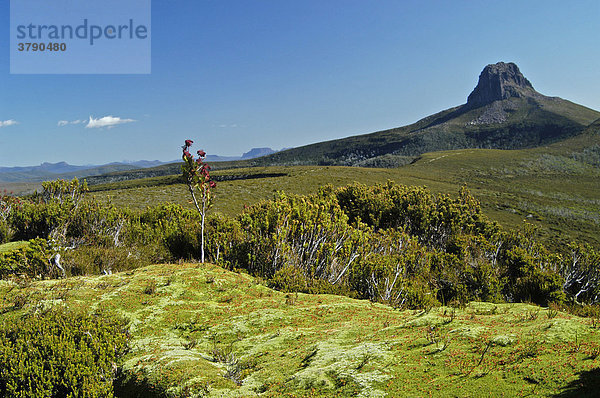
7 247
514 187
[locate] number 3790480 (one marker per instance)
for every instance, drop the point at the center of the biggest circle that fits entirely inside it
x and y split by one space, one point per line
42 46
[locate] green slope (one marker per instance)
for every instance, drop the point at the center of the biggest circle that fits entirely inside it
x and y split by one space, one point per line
517 123
520 123
202 329
555 187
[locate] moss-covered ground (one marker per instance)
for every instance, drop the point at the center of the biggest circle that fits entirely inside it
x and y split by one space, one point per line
200 329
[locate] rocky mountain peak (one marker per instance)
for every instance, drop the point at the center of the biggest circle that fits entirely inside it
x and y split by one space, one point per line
500 81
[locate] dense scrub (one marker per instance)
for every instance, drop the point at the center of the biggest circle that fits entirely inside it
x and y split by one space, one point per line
31 260
398 245
57 353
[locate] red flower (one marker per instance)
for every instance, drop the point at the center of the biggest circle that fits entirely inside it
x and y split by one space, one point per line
212 184
188 143
201 153
186 154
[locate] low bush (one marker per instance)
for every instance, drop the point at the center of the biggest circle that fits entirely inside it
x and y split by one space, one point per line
311 233
31 260
289 279
581 272
394 269
432 219
94 260
5 232
8 206
177 228
59 353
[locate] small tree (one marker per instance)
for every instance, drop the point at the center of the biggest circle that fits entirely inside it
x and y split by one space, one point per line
61 191
197 176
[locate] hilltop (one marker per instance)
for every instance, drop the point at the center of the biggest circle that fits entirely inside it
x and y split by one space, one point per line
503 112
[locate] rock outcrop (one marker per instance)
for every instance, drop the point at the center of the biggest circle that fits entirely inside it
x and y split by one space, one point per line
498 82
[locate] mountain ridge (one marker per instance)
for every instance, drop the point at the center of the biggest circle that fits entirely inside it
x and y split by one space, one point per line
64 170
503 112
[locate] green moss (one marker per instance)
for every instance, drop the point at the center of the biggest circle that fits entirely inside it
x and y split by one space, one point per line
322 345
504 340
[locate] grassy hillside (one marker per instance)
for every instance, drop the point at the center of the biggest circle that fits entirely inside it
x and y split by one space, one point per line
204 330
555 187
20 188
7 247
509 124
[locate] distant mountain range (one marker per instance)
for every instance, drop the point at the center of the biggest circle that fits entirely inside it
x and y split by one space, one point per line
63 167
50 171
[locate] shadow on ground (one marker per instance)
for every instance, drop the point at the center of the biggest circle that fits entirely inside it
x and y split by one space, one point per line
588 385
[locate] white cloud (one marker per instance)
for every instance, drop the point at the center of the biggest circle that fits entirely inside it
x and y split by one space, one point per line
7 123
65 122
106 121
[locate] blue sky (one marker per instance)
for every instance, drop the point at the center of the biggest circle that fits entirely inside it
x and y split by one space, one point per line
233 75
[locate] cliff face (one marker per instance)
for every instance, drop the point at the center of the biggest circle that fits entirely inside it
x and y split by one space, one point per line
498 82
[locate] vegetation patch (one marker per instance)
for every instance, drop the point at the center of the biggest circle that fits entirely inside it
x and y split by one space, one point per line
184 341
